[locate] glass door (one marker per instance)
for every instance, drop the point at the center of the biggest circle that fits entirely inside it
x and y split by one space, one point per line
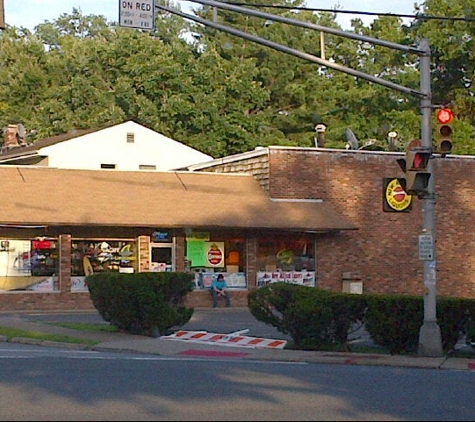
162 257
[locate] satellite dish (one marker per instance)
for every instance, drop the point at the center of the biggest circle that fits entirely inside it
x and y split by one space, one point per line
351 138
21 130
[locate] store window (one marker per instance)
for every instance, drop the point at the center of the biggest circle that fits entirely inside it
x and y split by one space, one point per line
209 256
89 256
29 264
289 259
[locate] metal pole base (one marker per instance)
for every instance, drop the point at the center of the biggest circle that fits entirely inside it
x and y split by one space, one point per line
430 340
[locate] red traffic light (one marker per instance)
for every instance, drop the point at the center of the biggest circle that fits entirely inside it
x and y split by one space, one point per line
419 161
445 115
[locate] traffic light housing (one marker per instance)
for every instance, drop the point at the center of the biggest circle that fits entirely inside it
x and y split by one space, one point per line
445 117
415 167
417 173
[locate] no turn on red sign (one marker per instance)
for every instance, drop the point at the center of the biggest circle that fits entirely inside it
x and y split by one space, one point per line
137 14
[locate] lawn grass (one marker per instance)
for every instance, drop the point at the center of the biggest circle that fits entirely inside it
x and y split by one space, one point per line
102 327
11 333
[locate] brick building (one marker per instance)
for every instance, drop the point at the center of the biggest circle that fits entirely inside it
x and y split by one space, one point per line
59 225
323 207
384 252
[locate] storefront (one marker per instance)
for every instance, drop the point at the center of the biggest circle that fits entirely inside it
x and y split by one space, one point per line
249 239
60 265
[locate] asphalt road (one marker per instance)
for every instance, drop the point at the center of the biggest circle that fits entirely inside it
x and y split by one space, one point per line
38 383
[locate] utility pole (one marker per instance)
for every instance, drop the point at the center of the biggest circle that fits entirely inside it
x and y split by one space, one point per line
430 343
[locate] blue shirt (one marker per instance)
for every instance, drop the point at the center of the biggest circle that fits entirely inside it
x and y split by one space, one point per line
219 284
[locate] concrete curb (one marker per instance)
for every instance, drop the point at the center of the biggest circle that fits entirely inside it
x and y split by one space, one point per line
128 343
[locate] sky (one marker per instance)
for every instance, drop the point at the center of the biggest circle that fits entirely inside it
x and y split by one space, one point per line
29 13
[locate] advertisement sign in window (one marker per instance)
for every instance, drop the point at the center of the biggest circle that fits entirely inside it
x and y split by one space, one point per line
305 278
29 264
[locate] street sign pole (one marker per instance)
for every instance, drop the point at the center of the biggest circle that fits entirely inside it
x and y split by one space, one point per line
430 340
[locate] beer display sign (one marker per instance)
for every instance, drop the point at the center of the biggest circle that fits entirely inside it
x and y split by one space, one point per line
215 254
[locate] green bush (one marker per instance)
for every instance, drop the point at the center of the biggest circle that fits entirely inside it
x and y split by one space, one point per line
318 319
394 321
142 303
452 317
315 319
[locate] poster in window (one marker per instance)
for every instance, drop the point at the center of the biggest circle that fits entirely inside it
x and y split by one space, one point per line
196 252
214 254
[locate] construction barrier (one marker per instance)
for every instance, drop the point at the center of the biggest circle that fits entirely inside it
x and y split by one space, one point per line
232 339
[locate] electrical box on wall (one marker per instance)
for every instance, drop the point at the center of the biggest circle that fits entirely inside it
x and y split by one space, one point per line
352 283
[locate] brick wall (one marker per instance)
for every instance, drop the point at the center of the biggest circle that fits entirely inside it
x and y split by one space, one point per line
384 250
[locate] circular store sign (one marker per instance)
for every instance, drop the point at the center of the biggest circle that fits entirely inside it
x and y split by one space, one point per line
215 254
395 196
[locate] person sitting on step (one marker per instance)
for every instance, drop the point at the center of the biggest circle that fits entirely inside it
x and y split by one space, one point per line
219 288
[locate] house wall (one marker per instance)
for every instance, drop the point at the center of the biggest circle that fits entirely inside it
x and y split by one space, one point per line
110 146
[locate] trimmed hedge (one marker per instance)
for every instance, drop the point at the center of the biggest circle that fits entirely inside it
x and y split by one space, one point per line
142 303
318 319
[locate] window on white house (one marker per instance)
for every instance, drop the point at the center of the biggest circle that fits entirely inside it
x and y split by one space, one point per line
108 166
147 167
130 138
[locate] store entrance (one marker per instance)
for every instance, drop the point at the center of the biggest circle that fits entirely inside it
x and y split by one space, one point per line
162 257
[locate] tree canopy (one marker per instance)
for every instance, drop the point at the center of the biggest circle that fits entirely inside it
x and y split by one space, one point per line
222 94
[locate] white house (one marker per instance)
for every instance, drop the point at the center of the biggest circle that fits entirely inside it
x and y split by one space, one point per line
126 146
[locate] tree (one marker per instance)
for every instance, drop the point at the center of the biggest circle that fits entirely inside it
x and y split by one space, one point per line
453 56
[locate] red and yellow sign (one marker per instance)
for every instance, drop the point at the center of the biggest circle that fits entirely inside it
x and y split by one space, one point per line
395 198
214 254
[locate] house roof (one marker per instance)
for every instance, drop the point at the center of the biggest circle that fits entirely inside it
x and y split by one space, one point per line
32 149
49 196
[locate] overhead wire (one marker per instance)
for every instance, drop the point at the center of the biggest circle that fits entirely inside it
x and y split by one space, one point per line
418 16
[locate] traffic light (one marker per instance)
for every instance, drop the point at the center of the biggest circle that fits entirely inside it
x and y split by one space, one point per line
415 167
444 131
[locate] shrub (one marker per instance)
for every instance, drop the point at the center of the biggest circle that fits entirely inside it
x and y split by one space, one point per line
452 317
316 319
394 322
142 303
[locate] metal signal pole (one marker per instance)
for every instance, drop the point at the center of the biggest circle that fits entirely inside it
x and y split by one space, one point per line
430 339
430 343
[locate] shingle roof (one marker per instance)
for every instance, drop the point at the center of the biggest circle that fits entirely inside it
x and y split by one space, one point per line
50 196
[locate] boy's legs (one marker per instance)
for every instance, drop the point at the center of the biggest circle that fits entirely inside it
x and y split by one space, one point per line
227 299
215 298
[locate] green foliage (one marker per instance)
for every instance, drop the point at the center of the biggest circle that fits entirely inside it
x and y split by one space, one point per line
11 333
469 328
142 303
452 317
223 95
316 319
394 322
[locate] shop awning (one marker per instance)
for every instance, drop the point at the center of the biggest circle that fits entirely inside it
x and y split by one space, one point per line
55 197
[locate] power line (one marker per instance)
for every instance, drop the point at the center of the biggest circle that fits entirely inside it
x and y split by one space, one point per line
418 16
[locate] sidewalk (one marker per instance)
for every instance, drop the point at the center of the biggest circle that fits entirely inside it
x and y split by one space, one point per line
221 321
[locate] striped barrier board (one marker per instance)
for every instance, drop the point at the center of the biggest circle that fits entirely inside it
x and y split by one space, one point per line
233 339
